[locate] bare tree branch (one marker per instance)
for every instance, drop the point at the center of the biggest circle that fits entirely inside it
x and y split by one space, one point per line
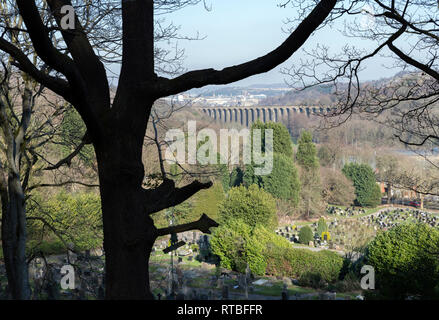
203 224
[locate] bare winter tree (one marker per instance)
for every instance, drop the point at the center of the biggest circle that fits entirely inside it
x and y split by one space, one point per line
117 127
404 33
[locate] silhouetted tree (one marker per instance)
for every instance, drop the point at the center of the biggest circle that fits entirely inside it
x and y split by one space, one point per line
72 64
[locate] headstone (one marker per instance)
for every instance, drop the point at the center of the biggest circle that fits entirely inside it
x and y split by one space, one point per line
225 292
52 287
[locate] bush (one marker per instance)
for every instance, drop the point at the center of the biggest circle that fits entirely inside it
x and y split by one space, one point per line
367 191
313 280
302 263
283 181
305 235
76 217
321 226
253 206
237 244
405 261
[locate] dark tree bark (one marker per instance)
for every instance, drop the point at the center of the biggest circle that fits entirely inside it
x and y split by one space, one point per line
117 131
12 194
14 238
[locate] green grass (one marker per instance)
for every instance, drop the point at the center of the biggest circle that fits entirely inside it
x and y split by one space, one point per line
160 257
276 290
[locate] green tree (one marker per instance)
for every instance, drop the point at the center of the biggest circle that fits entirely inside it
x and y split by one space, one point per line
281 137
367 191
238 244
321 226
253 206
306 152
311 191
283 181
73 218
405 261
305 235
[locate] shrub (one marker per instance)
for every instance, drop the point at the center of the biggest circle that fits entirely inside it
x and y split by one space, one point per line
405 261
253 206
297 263
228 242
305 235
77 216
367 191
237 244
283 181
321 226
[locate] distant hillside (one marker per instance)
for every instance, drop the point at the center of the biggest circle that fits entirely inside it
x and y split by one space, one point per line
313 96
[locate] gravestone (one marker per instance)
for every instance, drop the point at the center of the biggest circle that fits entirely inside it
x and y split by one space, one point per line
225 292
52 287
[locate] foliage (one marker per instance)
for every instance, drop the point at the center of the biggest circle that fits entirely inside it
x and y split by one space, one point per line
281 137
321 226
237 244
253 206
207 201
283 181
224 176
72 132
327 156
367 191
405 261
75 217
305 235
299 263
236 177
311 191
306 155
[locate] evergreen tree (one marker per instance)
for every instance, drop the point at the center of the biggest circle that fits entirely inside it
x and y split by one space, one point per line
281 137
311 191
321 226
367 191
306 152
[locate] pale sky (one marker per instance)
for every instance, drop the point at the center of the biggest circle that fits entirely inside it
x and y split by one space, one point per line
239 30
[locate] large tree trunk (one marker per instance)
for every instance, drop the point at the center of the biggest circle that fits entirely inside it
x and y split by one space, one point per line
14 238
129 232
129 237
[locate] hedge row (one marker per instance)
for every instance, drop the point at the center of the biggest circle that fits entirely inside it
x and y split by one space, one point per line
237 244
296 263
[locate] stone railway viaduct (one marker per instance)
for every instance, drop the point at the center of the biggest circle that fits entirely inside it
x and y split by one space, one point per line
248 115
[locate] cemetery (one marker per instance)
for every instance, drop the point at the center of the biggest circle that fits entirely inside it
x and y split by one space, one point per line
183 267
351 227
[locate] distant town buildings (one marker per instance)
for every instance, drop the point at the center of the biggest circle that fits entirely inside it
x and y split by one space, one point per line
243 100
